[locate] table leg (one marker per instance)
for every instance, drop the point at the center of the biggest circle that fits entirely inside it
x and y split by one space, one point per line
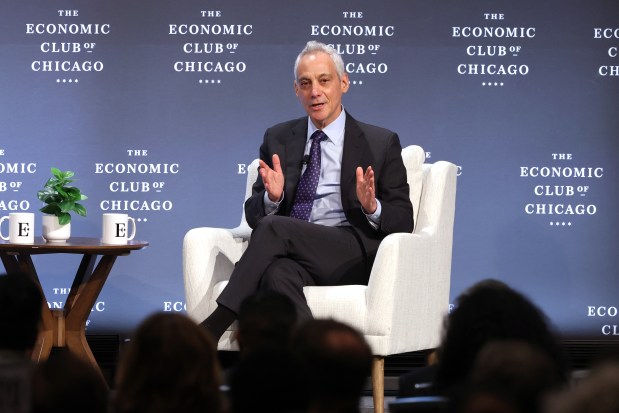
84 271
81 299
10 263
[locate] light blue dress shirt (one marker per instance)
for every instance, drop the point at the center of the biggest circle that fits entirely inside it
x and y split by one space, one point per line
327 208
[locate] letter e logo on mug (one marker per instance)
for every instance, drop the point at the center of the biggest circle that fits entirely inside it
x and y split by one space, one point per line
115 229
21 228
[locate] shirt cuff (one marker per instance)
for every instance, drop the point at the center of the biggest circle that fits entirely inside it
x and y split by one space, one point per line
271 207
374 219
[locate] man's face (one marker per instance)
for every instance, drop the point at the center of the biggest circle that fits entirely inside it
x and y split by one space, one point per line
319 88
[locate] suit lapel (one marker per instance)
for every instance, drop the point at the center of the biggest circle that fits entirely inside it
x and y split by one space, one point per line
354 150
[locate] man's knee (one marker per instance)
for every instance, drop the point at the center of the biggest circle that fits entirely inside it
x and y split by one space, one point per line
270 226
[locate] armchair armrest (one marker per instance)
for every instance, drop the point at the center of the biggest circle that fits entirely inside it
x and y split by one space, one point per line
408 293
209 255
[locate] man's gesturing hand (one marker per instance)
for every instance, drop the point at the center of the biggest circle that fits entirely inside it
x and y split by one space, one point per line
273 179
365 189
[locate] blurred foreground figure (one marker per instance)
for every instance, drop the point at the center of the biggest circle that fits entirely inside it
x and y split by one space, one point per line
507 376
266 321
268 378
489 311
170 366
337 362
67 384
20 315
597 393
20 318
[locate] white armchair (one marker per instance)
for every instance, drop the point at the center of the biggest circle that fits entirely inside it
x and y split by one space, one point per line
402 307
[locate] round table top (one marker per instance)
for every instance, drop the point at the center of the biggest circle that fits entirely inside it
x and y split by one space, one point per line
75 245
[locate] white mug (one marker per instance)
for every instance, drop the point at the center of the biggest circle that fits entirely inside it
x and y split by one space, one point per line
21 228
115 228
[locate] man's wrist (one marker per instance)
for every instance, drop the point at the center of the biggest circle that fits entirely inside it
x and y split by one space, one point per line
277 200
271 207
375 216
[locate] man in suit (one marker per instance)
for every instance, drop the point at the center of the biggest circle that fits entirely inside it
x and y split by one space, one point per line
346 175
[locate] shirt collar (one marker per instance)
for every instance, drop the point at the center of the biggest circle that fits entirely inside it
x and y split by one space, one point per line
334 130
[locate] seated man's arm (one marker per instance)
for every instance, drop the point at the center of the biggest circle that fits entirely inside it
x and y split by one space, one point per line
267 191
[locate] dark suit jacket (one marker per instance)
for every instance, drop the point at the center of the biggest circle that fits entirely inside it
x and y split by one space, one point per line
364 145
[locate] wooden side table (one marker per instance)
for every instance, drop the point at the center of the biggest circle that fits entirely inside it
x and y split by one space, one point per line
66 327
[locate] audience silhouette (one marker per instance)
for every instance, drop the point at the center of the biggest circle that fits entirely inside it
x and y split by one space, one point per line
498 354
337 362
169 366
20 317
490 310
266 319
598 392
269 380
66 384
267 377
511 375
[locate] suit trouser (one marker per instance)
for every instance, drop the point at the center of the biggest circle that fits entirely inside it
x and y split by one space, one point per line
285 254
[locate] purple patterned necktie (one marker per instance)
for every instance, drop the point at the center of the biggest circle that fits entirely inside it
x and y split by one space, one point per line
304 198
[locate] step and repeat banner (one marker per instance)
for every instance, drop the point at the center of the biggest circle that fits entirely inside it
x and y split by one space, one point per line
159 106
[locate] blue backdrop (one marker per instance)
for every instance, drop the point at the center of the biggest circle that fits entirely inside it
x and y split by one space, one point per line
522 96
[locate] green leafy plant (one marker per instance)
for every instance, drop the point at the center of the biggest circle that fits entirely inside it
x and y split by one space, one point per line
60 197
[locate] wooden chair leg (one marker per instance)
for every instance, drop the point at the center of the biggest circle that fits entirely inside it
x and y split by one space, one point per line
378 383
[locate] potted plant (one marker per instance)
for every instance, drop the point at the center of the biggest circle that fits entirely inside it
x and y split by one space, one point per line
60 200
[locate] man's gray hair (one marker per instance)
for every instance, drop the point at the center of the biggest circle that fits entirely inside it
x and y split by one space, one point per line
313 47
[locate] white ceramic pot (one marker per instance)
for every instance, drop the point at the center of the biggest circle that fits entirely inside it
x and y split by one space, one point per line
53 231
